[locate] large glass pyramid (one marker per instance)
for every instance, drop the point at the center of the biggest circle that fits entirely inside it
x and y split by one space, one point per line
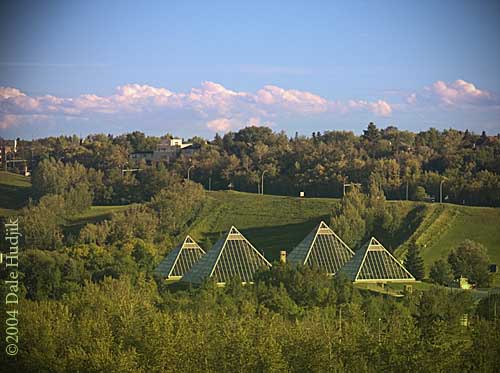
231 256
180 260
373 263
322 248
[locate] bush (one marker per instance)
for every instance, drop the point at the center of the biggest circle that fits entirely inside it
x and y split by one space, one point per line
440 273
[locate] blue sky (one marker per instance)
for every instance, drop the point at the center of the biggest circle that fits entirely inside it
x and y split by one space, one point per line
196 68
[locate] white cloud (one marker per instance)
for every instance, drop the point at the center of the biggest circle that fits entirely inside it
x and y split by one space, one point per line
379 107
459 93
220 125
293 100
220 108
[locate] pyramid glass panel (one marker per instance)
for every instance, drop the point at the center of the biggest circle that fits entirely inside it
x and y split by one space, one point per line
180 260
232 256
373 263
322 248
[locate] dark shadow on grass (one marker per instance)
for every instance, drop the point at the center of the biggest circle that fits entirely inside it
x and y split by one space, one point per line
271 240
14 197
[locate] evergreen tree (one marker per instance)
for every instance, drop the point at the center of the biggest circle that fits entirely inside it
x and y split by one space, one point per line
348 220
371 133
440 272
414 262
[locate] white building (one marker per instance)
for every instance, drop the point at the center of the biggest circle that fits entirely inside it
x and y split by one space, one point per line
167 150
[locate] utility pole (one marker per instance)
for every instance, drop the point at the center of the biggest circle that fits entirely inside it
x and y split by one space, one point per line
407 189
209 183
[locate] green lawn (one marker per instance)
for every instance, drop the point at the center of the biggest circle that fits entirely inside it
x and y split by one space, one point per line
481 224
14 192
271 223
274 223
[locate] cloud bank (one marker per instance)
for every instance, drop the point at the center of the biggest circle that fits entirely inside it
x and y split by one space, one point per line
215 108
219 108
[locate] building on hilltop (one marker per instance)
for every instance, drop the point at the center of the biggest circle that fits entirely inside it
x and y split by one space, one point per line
375 264
323 249
180 260
232 256
166 151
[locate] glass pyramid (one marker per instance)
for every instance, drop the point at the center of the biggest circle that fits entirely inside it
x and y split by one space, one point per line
231 256
373 263
322 248
180 260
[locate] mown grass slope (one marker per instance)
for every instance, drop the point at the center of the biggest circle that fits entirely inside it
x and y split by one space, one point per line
457 223
14 192
274 223
271 223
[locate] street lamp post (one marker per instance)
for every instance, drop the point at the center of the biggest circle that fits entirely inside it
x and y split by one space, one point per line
189 169
379 320
441 191
262 182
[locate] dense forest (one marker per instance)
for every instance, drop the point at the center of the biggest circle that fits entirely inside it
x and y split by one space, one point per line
89 301
405 164
291 320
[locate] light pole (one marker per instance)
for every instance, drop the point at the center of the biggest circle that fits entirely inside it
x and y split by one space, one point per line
379 320
441 191
189 169
262 182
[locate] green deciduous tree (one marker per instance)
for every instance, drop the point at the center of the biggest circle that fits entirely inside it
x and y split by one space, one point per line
470 259
177 204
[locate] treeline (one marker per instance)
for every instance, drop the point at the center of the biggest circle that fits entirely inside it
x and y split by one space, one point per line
162 218
403 162
291 320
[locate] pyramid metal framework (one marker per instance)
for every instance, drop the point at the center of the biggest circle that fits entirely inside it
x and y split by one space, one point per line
180 260
374 263
322 248
231 256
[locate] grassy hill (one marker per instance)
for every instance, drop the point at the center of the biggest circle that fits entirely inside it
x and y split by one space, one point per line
271 223
14 192
444 226
275 223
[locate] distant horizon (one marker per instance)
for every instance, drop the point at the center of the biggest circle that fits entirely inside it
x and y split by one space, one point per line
212 136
